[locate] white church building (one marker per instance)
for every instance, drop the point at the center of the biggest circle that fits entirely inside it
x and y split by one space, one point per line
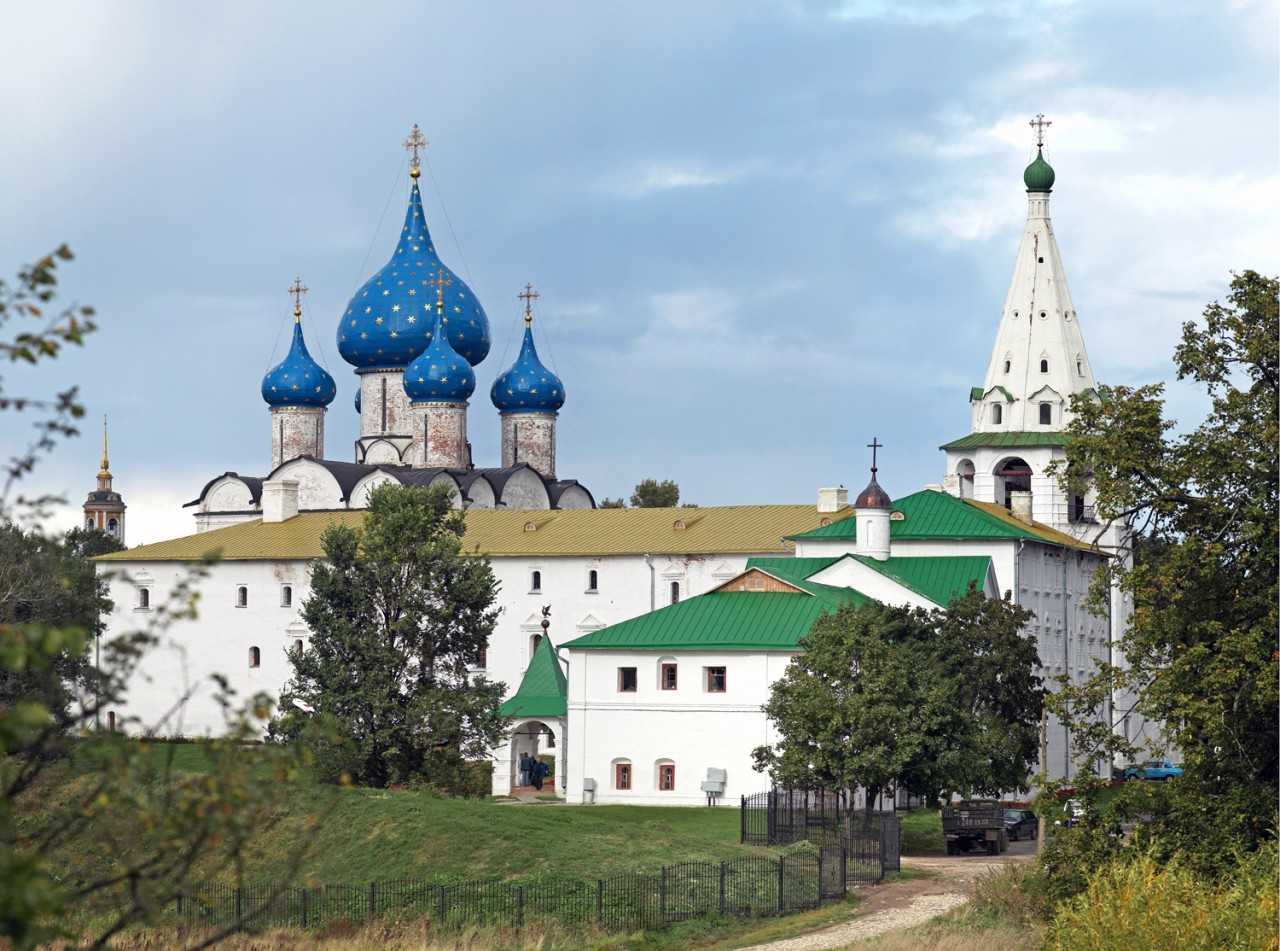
667 627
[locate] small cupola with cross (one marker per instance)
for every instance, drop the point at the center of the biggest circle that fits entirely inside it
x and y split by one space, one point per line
873 509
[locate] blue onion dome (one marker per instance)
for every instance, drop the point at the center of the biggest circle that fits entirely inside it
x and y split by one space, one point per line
1039 175
388 321
439 374
528 386
298 380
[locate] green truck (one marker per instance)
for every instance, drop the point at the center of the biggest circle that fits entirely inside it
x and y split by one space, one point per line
974 824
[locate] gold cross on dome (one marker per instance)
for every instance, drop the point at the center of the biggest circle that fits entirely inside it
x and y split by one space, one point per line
441 282
528 295
416 142
1040 123
297 290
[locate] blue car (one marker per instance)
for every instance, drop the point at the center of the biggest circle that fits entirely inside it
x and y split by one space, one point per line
1157 769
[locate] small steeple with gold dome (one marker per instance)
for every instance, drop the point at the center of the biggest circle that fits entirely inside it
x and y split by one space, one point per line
104 507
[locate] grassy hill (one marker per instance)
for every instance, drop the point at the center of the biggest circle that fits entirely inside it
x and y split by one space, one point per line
372 834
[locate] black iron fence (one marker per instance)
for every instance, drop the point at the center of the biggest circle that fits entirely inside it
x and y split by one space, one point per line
744 887
826 818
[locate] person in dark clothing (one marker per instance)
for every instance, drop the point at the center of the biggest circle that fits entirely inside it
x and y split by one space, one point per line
540 770
525 762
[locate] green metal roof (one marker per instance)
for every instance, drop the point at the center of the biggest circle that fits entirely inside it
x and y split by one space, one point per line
932 514
939 579
976 393
543 689
725 621
792 568
1007 441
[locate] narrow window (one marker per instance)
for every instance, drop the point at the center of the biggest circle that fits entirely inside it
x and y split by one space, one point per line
717 680
667 677
484 658
242 597
534 641
1008 365
593 580
1046 414
626 680
111 720
675 592
144 599
997 412
255 657
297 645
535 582
1079 367
1044 366
286 596
621 775
666 777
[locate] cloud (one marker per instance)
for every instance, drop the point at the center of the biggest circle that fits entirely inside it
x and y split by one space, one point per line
651 178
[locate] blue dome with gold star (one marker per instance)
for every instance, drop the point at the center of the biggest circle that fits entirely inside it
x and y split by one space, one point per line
388 321
528 387
439 374
298 380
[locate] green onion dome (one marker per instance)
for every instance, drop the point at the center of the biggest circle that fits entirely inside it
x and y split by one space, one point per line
1039 174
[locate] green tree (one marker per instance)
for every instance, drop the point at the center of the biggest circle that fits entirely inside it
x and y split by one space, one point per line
151 826
930 702
652 494
399 615
1201 643
608 503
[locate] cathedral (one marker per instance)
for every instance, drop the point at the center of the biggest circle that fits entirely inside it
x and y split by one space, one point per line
636 645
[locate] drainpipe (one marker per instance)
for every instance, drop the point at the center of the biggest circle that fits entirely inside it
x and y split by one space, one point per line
653 596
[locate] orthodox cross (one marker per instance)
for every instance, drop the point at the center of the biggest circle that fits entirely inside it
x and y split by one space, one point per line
874 445
528 295
441 282
413 144
297 290
1040 123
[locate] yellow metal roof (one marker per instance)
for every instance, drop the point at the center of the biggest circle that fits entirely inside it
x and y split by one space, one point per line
732 529
1039 529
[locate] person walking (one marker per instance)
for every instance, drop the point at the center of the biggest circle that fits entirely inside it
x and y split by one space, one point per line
525 763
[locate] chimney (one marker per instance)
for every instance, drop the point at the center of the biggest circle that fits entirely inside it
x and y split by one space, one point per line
1020 505
279 500
833 499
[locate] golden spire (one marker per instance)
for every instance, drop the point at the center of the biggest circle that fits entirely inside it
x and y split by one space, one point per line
413 144
297 290
528 295
441 282
105 471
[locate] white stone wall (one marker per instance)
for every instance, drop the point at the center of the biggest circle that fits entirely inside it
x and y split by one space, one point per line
693 729
530 438
296 431
219 639
440 435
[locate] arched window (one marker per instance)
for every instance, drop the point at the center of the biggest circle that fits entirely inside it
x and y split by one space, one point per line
675 592
255 657
666 775
1046 414
88 522
1008 365
286 596
997 413
297 645
593 581
242 597
667 674
622 774
1044 365
534 641
113 526
964 478
535 582
144 599
1079 367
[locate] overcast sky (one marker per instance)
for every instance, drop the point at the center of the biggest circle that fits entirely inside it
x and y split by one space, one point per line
763 233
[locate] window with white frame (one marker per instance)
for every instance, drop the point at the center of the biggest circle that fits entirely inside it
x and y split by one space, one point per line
286 596
716 679
665 771
622 774
535 582
593 581
144 599
242 596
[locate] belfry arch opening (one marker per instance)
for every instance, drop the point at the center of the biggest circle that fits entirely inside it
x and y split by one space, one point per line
1012 474
964 478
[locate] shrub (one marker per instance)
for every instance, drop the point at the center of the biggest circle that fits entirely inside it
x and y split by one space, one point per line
1014 893
1141 904
1071 855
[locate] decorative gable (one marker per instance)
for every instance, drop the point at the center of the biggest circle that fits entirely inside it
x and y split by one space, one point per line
753 579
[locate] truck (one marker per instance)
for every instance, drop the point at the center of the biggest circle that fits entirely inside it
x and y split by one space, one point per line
974 824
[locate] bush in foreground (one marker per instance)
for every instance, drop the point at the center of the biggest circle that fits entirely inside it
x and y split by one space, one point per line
1141 904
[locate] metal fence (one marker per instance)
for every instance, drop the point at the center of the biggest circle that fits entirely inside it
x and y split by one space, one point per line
828 819
745 887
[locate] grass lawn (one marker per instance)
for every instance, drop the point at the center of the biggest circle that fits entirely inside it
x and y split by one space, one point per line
922 832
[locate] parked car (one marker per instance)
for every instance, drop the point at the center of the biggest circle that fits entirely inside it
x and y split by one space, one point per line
974 824
1021 824
1156 769
1073 813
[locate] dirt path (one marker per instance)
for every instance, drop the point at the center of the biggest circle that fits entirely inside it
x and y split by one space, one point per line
904 904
